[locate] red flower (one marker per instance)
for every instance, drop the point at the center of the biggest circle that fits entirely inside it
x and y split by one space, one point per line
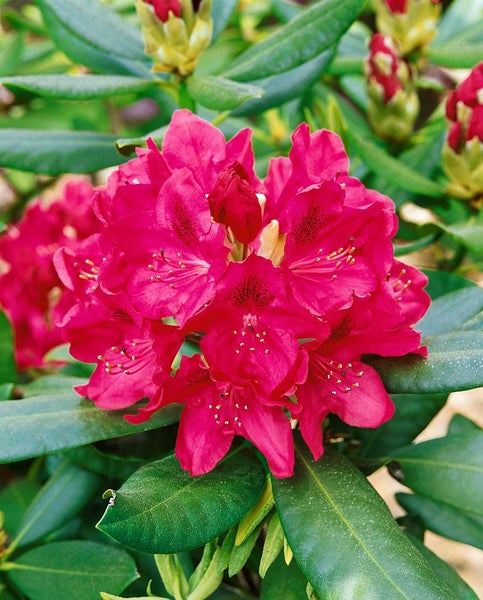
383 65
162 8
30 289
279 282
400 6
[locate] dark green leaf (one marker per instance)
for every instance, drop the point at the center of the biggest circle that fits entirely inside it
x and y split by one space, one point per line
77 570
8 372
280 88
455 524
453 364
219 93
392 169
344 537
301 40
282 581
55 152
79 87
460 425
161 509
451 311
103 54
413 414
45 424
443 571
442 282
14 500
447 470
68 490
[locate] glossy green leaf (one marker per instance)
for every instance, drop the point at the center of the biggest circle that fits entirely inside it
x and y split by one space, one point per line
45 424
442 570
55 152
393 170
51 384
79 87
445 520
77 570
14 500
413 414
453 364
301 40
447 470
100 47
291 84
94 22
284 581
161 509
68 490
344 538
8 371
451 311
219 93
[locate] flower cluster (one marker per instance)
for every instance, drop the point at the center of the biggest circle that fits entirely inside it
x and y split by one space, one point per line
463 153
175 32
280 285
393 103
30 289
411 23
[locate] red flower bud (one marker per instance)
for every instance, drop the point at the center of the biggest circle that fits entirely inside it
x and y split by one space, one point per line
234 202
383 65
162 8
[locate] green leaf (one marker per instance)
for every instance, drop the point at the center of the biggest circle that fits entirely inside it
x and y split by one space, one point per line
45 424
94 22
282 581
413 414
97 41
451 311
456 19
14 500
447 470
445 520
468 234
77 570
442 282
55 152
301 40
453 364
221 11
219 93
161 509
344 538
68 490
392 169
272 545
443 571
51 384
79 87
291 84
8 372
456 55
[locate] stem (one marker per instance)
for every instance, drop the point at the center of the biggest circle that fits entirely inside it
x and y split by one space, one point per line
185 99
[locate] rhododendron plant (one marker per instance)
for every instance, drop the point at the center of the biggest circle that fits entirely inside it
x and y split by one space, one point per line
281 334
217 345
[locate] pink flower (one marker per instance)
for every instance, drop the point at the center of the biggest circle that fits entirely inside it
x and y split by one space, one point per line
464 108
276 282
30 289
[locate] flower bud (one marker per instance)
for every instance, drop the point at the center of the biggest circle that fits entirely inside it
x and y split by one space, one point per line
234 203
411 23
175 32
463 149
393 103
